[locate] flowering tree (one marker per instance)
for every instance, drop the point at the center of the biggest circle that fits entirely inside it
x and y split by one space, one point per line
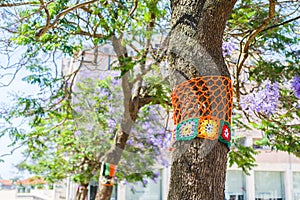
71 141
250 32
267 81
46 30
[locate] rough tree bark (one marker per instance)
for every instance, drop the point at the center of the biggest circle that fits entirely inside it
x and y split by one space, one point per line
195 49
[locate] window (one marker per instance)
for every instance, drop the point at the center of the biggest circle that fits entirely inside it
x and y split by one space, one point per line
296 185
235 186
23 189
269 185
152 191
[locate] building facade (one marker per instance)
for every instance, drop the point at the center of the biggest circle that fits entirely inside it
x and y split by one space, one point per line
276 177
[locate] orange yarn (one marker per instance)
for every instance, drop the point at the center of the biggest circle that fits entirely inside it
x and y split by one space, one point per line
208 98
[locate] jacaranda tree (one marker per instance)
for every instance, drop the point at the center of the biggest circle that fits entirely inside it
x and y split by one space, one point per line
45 30
252 44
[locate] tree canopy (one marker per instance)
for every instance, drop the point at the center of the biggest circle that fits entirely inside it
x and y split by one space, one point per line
260 48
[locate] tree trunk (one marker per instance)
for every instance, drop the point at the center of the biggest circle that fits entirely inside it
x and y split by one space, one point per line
82 192
195 49
131 108
113 156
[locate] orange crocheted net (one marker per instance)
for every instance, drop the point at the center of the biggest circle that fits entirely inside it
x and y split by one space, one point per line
208 98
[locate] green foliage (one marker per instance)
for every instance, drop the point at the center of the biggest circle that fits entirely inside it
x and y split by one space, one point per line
159 90
279 133
272 55
69 131
242 156
248 15
69 141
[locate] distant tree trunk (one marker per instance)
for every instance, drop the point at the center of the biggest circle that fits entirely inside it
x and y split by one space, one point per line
131 105
195 49
82 192
113 156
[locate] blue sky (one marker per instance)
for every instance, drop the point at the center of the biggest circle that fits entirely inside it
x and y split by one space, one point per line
7 169
20 88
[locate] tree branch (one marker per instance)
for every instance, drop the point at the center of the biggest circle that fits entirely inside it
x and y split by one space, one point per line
280 24
96 35
151 99
43 6
49 26
245 48
133 8
106 27
18 4
12 151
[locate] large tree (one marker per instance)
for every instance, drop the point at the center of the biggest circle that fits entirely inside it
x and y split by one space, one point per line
198 168
195 50
197 31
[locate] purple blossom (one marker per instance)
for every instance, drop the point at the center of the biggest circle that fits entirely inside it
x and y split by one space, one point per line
298 104
115 81
105 92
140 145
77 133
264 100
296 86
125 182
146 125
164 162
78 109
145 182
130 142
89 127
131 187
228 48
115 78
111 123
155 177
156 174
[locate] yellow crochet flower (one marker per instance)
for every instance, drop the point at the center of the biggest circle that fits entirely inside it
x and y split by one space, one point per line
187 129
208 129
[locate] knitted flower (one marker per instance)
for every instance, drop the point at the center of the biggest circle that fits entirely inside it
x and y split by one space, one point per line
209 129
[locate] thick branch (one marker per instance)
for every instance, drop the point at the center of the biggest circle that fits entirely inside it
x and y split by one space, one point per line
151 99
47 13
114 154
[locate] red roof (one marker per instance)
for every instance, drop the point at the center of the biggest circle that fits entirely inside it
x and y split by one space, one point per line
6 182
31 181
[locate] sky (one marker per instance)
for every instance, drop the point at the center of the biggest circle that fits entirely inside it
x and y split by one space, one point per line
7 169
21 88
